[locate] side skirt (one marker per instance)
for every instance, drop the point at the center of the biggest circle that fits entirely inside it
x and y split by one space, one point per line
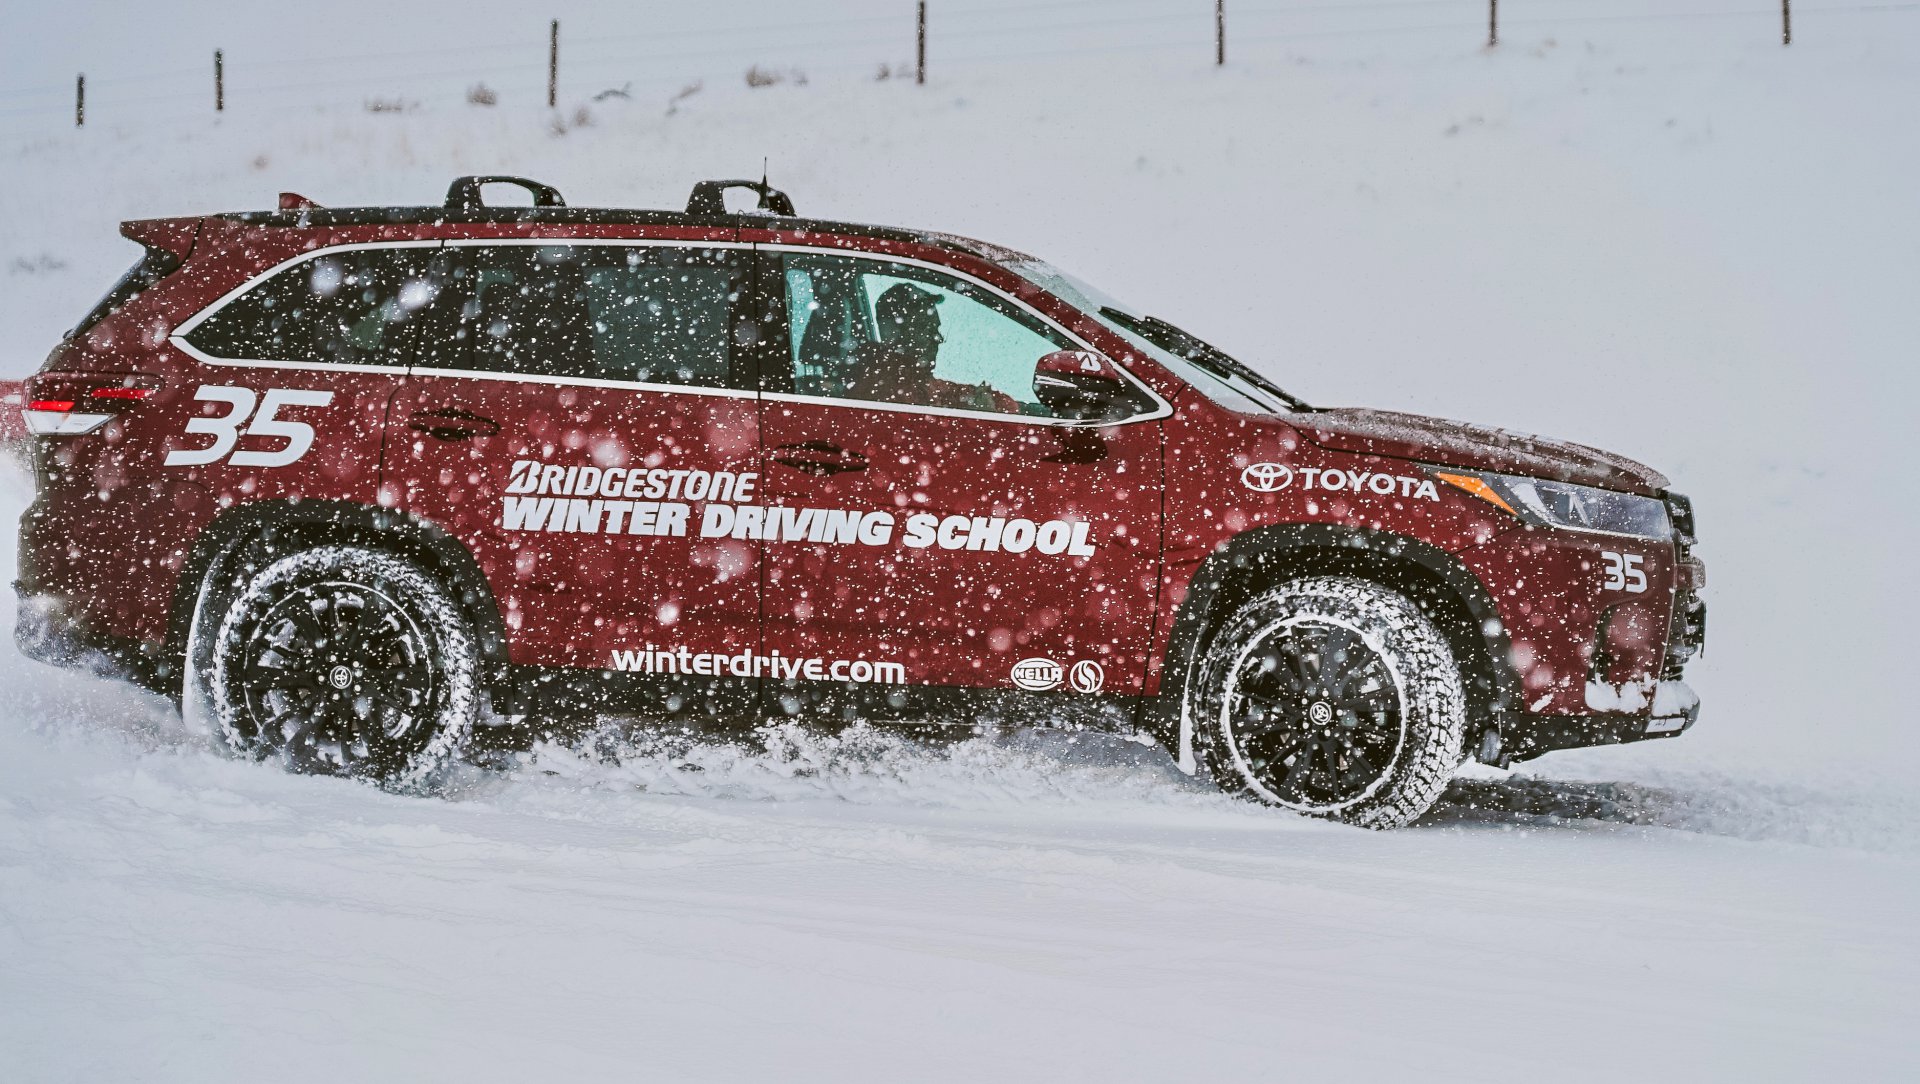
737 705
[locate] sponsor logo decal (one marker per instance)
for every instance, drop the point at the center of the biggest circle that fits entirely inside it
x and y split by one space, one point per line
1274 477
1036 675
1086 676
667 503
749 664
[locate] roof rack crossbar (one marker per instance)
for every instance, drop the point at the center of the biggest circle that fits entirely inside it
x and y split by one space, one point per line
464 193
709 198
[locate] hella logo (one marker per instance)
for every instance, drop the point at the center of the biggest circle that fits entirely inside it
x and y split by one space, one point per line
1036 675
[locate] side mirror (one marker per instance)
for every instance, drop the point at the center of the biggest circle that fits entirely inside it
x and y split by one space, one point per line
1082 385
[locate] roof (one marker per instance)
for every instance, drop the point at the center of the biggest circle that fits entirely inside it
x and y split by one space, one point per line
464 207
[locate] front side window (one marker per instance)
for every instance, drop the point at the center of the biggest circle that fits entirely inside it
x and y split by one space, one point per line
888 332
655 315
346 308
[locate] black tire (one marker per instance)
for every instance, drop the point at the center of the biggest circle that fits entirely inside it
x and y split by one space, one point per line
1331 696
341 661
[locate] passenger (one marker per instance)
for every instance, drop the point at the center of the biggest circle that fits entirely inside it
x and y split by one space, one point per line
899 368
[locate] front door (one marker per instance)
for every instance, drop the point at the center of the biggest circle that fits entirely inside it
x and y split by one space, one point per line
571 409
928 522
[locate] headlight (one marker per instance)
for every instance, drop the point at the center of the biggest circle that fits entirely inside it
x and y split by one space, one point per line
1565 505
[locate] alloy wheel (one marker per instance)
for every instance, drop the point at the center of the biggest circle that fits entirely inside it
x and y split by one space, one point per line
339 677
1314 715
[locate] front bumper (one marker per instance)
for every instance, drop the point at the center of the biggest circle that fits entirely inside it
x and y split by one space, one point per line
1674 709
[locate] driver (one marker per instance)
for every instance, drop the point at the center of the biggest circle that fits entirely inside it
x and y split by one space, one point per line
899 368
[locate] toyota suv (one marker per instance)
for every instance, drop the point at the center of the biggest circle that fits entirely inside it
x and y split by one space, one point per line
363 487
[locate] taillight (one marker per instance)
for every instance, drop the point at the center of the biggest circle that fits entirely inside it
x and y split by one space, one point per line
73 404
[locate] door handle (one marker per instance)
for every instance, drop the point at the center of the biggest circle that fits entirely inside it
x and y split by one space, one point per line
818 458
451 424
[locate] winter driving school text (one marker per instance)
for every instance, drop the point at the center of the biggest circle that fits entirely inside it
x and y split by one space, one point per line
362 486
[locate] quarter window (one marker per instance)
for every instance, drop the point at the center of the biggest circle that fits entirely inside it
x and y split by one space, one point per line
345 307
611 312
889 332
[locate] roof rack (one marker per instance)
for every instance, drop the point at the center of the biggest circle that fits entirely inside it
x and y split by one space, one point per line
465 204
466 200
464 193
709 198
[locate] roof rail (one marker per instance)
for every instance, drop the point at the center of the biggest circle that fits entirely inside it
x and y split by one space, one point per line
709 198
464 193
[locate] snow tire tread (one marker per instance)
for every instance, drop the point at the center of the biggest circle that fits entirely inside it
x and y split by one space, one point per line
1434 703
431 606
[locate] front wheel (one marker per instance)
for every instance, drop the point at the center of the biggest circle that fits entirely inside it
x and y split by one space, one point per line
1332 696
345 661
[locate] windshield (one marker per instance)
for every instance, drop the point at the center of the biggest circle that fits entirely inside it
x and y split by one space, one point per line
1219 376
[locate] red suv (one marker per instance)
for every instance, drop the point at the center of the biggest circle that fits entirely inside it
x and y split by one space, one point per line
351 483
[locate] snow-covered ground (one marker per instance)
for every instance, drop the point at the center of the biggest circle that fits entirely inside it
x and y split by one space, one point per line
1669 237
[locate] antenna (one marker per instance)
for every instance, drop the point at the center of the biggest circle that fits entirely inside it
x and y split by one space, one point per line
763 170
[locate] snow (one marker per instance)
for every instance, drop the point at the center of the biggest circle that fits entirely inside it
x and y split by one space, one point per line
829 911
1670 238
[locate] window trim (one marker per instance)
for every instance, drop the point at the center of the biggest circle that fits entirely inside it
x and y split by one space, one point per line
1161 408
185 328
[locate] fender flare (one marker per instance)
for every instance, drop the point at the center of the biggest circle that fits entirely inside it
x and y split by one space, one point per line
1264 554
303 521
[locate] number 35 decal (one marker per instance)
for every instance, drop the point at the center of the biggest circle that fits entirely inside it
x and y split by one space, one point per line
1624 572
227 429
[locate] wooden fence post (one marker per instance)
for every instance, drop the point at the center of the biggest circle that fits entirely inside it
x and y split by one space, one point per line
553 64
80 100
1219 33
219 82
1786 22
920 48
1493 23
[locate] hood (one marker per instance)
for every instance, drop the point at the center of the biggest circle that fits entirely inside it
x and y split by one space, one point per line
1461 444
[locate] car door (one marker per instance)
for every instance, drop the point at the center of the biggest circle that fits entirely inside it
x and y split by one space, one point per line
957 534
570 408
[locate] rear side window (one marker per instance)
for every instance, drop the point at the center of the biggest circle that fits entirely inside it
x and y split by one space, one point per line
348 307
647 314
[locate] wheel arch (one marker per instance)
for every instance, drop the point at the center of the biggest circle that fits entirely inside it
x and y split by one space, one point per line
1431 577
287 526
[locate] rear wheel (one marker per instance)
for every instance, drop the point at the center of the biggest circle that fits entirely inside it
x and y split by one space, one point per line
1332 696
344 661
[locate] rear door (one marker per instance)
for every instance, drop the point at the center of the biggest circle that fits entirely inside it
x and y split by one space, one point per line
988 545
285 395
571 407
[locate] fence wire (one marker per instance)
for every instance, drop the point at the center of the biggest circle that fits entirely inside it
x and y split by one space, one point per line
665 60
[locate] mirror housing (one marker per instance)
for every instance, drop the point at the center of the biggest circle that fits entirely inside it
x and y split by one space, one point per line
1082 385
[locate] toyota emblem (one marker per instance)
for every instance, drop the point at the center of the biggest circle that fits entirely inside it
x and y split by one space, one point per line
1267 477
